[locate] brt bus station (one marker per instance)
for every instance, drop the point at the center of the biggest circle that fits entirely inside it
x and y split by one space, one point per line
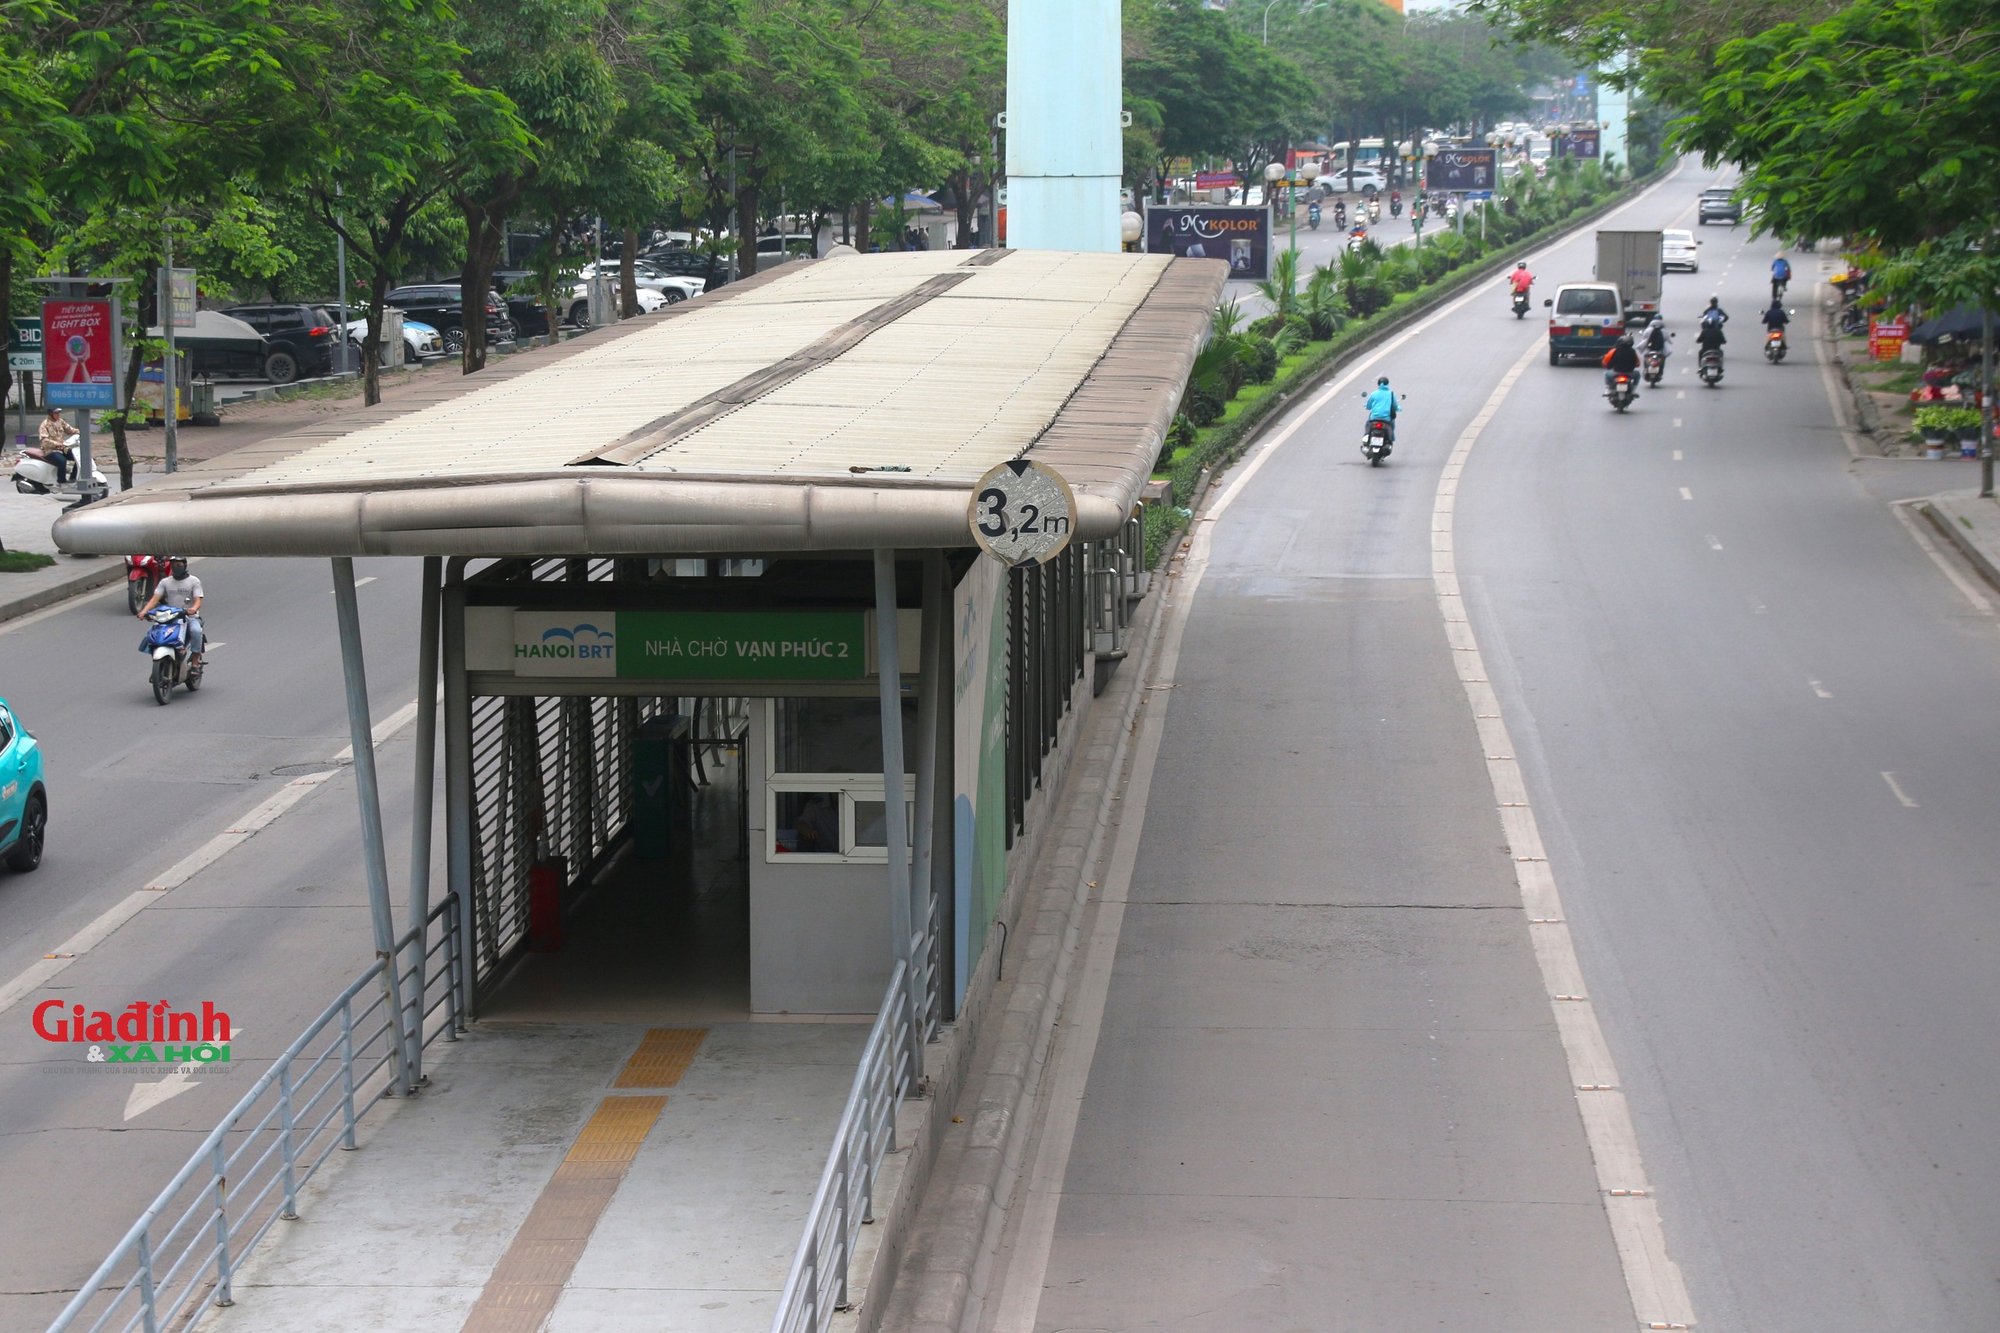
691 585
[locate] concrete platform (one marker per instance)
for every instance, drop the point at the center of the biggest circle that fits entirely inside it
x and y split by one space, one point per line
405 1232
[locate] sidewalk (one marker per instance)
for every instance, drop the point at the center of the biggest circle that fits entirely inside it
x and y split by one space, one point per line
567 1176
1970 524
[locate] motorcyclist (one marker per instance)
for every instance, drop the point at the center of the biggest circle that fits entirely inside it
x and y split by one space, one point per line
1781 274
1710 338
183 590
1520 280
54 438
1623 359
1382 406
1395 203
1775 317
1715 314
1340 213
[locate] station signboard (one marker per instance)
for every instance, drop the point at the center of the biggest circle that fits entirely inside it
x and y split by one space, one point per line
705 645
1462 169
1240 236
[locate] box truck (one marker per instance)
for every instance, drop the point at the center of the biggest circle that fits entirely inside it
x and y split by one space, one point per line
1630 261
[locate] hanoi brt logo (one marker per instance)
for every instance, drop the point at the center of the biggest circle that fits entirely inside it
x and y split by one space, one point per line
565 643
140 1033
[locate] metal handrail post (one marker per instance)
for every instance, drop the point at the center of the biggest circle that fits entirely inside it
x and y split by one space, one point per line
458 783
285 1144
889 673
347 1075
149 1319
223 1272
930 709
354 674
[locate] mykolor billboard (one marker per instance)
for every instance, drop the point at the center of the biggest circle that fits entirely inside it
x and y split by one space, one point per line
1579 144
1466 169
79 354
1242 236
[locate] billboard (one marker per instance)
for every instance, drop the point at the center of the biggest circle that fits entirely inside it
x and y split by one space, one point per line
1241 236
80 354
1462 169
24 348
1579 143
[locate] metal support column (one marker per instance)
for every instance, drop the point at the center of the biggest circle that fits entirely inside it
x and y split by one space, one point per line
373 846
458 784
930 697
421 787
895 824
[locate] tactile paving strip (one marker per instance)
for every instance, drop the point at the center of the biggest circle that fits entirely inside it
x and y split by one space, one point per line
525 1284
664 1054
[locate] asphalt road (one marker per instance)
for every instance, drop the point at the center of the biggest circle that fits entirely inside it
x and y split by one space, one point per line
1328 1093
269 933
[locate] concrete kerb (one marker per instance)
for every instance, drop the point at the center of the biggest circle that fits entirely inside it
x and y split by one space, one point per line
58 583
984 1149
1971 525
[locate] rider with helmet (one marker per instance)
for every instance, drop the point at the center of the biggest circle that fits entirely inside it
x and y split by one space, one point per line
1382 406
183 590
1715 314
1621 360
1659 340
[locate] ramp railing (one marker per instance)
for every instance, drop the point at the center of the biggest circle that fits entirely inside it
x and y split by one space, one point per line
816 1288
180 1258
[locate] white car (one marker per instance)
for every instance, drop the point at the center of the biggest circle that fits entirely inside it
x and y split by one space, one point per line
1677 250
421 342
647 278
672 291
1366 180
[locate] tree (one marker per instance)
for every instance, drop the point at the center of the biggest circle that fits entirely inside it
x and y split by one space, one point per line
1214 89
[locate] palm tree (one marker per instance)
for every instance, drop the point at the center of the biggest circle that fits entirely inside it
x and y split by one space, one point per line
1281 289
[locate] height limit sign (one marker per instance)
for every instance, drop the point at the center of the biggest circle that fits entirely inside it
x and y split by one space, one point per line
1022 512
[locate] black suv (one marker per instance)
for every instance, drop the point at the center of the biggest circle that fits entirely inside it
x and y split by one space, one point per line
691 264
302 339
438 305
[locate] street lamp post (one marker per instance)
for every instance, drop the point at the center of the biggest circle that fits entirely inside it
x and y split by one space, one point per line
1273 173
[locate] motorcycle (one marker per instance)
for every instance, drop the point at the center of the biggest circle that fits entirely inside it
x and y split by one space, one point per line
166 644
142 574
1312 216
1374 210
1774 346
1655 368
1340 214
1521 304
1710 366
1375 445
1395 205
34 474
1622 390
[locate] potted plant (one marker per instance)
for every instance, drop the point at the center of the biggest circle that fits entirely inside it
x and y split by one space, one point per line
1968 431
1934 423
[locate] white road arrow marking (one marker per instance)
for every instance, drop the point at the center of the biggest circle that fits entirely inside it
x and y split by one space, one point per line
145 1096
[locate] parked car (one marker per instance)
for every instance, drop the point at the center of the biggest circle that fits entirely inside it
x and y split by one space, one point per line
1718 206
302 338
713 270
439 305
1677 251
421 342
649 301
222 345
674 286
24 801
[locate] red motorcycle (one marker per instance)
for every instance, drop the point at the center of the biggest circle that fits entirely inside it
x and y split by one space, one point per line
142 574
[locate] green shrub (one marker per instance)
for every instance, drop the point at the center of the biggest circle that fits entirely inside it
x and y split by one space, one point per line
1163 523
1260 360
1299 327
1204 403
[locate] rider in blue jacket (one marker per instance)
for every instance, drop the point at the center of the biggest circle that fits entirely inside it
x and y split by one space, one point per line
1382 406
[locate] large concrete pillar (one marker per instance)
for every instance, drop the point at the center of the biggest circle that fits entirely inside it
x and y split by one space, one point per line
1613 106
1065 94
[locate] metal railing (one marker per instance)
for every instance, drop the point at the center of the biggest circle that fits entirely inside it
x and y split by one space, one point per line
181 1257
816 1287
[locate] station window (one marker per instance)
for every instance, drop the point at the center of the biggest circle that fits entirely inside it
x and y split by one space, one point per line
824 780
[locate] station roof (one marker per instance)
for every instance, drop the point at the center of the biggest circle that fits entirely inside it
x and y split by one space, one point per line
832 404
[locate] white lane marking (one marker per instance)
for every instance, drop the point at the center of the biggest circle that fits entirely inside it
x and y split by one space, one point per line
1681 393
1677 423
32 977
1677 455
1819 689
1686 494
1897 787
145 1096
1714 542
1659 1295
1914 526
1083 1016
359 583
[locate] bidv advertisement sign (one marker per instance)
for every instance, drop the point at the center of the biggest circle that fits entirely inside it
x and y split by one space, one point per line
1463 169
1240 236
